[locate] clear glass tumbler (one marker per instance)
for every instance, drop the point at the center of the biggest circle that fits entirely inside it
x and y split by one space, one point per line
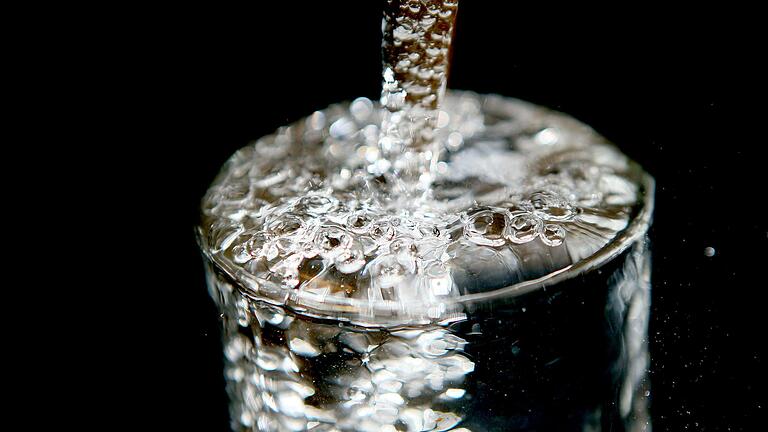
515 297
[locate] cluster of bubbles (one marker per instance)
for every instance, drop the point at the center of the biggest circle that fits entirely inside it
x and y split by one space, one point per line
312 218
539 216
288 374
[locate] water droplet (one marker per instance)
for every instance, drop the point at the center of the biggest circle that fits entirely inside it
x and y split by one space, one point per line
270 314
359 222
443 118
361 109
254 245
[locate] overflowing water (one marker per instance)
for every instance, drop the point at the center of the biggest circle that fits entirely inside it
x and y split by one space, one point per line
434 261
304 217
350 305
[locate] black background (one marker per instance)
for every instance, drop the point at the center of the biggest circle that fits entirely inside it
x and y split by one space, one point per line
677 91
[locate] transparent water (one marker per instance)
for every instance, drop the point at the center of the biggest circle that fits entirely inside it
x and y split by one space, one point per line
509 294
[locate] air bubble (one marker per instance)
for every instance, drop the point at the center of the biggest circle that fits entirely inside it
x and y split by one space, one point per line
403 247
523 228
342 128
290 404
270 251
349 260
382 231
427 22
288 270
402 33
390 398
315 205
547 137
553 235
454 141
240 254
438 279
433 52
389 271
486 228
267 360
356 394
316 121
441 421
414 6
303 348
455 393
284 224
550 206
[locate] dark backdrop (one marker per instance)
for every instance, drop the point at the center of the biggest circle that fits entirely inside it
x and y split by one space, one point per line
670 88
